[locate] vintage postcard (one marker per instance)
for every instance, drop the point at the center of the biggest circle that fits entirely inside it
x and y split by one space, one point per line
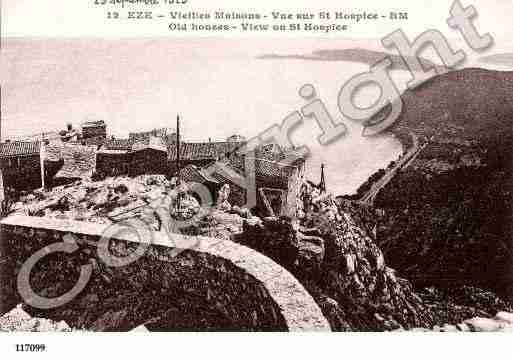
171 166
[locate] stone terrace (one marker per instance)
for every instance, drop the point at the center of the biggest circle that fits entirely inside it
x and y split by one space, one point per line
213 284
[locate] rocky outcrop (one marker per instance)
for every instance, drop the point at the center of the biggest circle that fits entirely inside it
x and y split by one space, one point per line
342 268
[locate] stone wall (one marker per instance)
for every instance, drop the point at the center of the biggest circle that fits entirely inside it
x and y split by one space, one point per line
342 268
210 285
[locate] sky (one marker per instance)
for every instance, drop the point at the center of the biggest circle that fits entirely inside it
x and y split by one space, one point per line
61 65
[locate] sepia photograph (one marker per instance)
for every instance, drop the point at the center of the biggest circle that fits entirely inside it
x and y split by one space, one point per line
355 177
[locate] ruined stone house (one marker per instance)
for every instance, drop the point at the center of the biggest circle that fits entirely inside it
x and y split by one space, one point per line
277 183
278 173
200 154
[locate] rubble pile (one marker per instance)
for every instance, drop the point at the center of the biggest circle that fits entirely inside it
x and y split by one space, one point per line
113 199
223 220
331 250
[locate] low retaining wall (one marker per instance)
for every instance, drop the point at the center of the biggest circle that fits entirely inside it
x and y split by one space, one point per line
179 283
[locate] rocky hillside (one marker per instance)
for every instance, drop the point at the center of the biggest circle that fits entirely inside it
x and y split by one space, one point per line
334 255
328 251
448 218
106 201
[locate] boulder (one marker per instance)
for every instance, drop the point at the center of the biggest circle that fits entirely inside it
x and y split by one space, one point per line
335 258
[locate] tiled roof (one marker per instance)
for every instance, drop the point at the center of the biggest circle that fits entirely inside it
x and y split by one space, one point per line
13 149
202 150
270 151
268 168
192 173
225 173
